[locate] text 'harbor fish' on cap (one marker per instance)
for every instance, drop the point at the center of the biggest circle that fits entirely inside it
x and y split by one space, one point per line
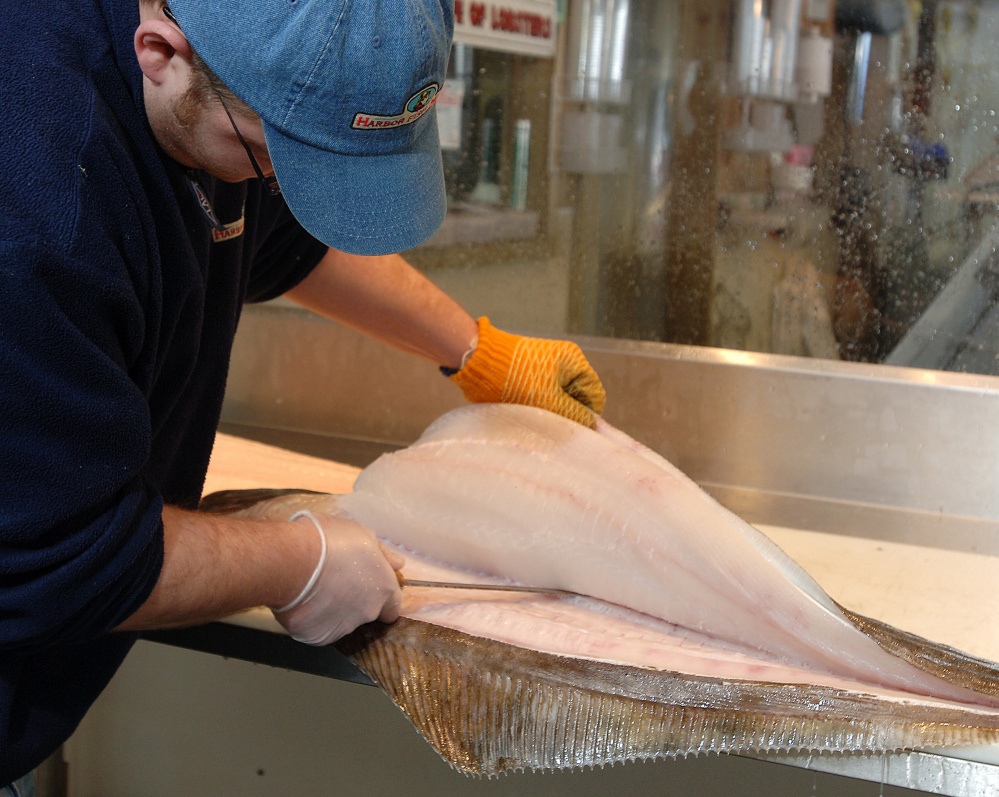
346 91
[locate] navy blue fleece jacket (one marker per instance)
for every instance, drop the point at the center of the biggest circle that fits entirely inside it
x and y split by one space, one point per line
117 313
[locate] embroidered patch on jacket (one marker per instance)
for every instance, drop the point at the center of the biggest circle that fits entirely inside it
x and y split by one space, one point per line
416 106
231 230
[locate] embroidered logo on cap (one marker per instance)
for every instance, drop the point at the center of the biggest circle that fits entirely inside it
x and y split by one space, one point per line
416 106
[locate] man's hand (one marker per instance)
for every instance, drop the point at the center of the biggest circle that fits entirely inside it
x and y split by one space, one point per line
354 583
551 374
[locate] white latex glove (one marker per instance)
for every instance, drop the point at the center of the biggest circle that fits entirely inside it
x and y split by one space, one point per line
354 583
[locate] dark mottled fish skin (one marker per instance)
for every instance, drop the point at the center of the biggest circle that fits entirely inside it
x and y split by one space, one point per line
489 707
978 675
228 502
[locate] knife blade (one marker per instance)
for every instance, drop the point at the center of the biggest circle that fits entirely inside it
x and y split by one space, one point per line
415 582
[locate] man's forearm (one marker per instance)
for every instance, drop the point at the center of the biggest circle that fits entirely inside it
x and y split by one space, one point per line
214 566
389 300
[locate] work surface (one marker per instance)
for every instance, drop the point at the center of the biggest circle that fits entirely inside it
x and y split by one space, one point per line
945 595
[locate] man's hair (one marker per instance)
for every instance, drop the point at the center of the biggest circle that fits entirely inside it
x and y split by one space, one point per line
205 90
206 87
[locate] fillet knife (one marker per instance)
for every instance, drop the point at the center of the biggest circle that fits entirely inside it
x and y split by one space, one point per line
413 582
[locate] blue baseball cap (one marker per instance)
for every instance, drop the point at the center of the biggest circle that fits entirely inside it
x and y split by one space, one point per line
345 89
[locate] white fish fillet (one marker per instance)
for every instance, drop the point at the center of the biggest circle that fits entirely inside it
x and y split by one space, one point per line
525 495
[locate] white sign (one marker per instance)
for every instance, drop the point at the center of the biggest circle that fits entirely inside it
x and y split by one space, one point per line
449 103
524 27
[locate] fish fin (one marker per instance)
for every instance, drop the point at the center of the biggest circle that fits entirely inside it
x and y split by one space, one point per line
227 502
488 707
264 504
951 664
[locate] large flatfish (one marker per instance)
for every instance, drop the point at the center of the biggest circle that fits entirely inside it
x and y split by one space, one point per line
688 630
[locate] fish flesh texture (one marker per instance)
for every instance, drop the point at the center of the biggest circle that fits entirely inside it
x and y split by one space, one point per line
689 630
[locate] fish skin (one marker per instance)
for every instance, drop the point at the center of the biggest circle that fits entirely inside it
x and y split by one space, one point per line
489 706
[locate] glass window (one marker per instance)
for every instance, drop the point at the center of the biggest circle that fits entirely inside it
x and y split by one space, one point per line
804 177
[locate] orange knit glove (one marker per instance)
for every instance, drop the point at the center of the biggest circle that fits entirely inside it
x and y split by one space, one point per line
551 374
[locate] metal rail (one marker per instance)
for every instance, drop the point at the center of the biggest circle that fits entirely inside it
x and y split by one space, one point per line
927 772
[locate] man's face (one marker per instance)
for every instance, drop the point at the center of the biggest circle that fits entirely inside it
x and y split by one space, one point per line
201 136
190 130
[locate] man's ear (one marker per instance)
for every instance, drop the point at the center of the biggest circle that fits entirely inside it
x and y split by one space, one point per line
157 42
